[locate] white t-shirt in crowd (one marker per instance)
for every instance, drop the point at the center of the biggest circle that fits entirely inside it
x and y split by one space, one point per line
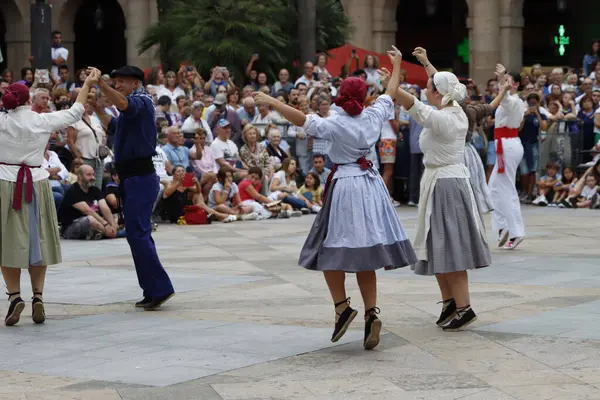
190 125
163 91
219 187
588 192
160 163
225 150
387 132
58 52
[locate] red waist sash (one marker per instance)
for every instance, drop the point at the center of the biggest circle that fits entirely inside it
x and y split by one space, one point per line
364 165
499 134
24 172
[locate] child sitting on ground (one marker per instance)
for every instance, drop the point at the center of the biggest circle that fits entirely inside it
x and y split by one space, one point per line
567 183
547 184
311 192
588 197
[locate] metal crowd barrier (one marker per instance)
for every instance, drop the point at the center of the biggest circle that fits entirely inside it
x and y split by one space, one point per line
562 144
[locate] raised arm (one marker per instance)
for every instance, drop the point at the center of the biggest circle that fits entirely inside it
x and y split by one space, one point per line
421 55
394 81
498 99
296 117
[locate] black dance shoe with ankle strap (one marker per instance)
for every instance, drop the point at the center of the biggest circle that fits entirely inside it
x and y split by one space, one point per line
344 320
448 312
464 317
38 314
17 305
372 328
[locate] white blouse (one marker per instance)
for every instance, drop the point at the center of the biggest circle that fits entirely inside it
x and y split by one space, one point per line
24 135
510 111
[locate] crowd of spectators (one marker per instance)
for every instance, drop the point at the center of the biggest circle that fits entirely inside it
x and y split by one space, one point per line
237 161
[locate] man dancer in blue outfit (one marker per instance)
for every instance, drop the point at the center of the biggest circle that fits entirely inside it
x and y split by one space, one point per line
134 143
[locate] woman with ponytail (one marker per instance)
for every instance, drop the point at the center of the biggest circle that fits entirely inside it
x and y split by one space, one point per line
357 230
451 236
28 223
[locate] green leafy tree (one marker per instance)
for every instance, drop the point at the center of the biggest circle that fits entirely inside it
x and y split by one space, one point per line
228 32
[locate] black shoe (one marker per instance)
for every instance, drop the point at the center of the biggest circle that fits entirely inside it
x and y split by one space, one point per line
38 314
529 199
159 301
567 204
211 218
14 310
372 329
464 317
448 312
344 320
144 302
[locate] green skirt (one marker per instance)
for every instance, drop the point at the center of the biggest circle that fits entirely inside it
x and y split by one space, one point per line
30 236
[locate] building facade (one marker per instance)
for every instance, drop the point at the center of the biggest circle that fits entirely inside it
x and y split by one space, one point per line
468 36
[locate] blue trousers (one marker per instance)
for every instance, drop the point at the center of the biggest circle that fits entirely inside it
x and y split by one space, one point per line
137 198
295 202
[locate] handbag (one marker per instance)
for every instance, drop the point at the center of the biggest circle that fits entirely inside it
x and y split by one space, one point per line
194 215
103 150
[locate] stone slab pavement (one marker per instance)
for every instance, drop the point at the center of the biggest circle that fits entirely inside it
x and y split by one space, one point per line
249 324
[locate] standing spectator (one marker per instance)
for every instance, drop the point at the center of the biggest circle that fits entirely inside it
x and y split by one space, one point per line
163 110
84 213
217 80
8 76
195 121
283 83
387 153
595 75
592 57
221 112
248 112
65 81
531 124
175 150
84 139
301 140
59 53
416 160
320 68
370 66
156 79
40 101
587 86
308 77
171 88
586 116
233 98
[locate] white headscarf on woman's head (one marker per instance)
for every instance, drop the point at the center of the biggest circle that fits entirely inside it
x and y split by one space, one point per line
448 85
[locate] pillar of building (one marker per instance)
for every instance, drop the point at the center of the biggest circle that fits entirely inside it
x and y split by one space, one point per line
484 39
361 15
384 24
511 34
138 18
18 35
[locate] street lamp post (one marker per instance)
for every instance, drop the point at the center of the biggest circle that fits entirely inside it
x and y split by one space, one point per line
41 33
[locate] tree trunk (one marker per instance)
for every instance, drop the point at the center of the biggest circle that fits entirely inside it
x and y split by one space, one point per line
307 30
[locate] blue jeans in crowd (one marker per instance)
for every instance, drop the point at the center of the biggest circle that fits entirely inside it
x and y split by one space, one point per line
294 202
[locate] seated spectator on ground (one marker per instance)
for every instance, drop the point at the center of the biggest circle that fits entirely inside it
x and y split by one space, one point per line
176 152
203 163
112 194
84 213
567 183
225 151
319 168
250 194
588 198
224 197
311 192
195 121
276 153
547 184
180 193
283 186
58 173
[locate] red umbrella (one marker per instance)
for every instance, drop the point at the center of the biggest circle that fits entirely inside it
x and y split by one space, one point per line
338 57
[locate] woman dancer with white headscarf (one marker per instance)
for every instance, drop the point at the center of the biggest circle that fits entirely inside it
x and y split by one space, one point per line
450 235
475 113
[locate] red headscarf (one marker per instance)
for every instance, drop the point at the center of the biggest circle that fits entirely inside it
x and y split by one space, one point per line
352 95
15 95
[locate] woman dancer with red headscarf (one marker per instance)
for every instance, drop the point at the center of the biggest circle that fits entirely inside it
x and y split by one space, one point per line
28 225
357 230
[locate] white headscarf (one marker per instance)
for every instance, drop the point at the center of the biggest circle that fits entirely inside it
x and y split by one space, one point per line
448 85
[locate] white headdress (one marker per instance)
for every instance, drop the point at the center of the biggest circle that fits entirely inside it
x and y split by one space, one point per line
448 85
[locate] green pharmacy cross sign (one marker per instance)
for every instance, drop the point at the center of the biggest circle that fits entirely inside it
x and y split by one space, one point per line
561 40
462 50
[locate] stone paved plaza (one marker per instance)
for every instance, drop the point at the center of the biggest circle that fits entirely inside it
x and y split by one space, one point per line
247 323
